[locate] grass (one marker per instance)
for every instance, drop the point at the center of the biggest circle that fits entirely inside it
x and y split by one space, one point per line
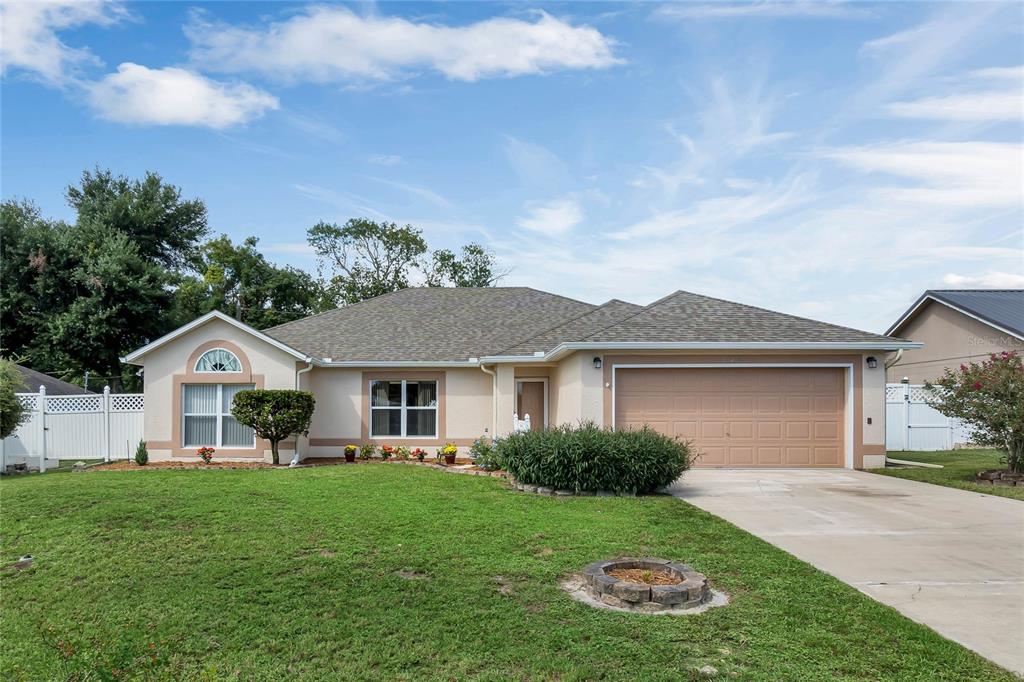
397 572
959 468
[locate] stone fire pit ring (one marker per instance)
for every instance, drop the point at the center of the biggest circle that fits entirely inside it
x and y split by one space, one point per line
692 590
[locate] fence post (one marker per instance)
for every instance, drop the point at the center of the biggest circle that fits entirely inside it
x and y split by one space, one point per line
42 428
106 423
906 417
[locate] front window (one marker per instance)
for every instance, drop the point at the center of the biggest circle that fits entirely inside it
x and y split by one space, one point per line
206 417
403 409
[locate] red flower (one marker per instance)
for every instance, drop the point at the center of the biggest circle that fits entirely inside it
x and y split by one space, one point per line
976 385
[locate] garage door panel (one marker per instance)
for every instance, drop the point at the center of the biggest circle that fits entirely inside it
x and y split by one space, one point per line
741 416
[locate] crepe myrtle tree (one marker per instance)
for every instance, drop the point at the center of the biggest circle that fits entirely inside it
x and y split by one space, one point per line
274 415
990 397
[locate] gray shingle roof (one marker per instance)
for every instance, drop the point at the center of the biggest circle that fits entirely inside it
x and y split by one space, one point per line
576 329
1001 307
454 324
54 386
429 324
683 317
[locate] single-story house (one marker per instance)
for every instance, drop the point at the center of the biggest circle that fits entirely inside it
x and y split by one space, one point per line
425 366
956 326
32 380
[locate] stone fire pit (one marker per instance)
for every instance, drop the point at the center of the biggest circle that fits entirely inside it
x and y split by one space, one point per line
649 585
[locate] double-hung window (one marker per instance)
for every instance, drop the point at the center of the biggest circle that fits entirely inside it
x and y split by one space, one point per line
206 417
403 409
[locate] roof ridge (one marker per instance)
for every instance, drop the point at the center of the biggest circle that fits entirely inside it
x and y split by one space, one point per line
560 324
341 307
971 291
642 309
789 315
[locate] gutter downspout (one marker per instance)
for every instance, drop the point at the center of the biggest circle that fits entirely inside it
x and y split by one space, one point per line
309 365
895 359
494 399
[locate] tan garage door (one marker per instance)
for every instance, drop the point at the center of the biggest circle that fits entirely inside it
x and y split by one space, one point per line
740 417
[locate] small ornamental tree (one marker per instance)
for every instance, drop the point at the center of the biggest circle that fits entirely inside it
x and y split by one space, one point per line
990 397
274 415
12 412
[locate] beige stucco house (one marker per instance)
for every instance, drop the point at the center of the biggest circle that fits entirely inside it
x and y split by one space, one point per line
425 366
956 326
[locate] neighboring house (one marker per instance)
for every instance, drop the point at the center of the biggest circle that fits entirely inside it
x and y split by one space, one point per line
425 366
957 326
54 386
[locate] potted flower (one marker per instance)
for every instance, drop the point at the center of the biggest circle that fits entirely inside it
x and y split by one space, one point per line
419 453
350 453
205 454
367 451
386 451
448 451
402 453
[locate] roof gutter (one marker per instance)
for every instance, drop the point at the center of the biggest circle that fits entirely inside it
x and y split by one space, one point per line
563 349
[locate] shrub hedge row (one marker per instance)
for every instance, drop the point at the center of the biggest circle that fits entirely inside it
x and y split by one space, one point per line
589 458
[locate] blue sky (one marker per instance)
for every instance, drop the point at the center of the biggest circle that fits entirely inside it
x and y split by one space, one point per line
830 160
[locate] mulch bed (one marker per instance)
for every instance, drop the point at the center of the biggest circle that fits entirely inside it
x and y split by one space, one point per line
645 576
129 465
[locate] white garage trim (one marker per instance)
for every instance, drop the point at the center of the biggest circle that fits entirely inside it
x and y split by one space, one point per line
848 366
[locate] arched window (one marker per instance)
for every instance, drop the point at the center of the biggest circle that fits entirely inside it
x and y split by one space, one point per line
218 360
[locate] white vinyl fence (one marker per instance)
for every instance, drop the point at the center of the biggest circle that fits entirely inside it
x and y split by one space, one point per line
911 424
90 426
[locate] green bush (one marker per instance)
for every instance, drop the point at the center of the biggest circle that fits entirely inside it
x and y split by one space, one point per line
589 458
485 455
12 413
141 454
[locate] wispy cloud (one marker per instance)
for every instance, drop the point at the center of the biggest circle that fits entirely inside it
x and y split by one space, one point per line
139 95
385 159
774 9
985 95
415 190
325 44
968 174
988 280
555 217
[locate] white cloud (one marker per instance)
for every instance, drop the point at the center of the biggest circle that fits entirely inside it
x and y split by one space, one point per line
555 217
331 44
28 35
763 10
979 106
172 96
385 159
535 165
988 280
994 94
968 174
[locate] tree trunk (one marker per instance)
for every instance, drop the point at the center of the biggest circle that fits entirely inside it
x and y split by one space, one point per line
273 449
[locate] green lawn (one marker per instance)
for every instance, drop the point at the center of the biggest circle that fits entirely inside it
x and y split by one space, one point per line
274 574
959 468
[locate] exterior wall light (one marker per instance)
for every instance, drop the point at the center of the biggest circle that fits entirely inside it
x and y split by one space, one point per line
597 363
872 362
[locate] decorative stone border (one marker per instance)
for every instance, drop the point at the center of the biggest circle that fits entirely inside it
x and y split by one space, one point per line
691 593
546 490
1000 477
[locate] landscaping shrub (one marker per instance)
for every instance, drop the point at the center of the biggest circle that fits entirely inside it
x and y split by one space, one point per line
12 413
589 458
485 455
141 454
274 415
367 451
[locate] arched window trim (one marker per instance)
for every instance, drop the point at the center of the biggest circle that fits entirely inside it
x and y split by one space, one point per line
215 371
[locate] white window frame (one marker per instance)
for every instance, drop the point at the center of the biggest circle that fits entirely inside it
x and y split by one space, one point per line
219 417
403 408
196 369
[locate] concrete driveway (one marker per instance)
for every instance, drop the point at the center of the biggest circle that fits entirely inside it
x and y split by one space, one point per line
951 559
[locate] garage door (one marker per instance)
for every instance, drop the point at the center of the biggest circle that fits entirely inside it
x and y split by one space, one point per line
740 417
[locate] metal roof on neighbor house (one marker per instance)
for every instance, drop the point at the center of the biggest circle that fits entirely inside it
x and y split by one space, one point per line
1001 308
